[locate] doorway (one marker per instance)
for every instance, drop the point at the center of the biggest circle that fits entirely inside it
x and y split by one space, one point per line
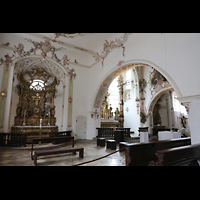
81 127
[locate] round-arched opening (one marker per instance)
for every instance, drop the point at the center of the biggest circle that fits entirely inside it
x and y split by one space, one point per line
149 84
118 70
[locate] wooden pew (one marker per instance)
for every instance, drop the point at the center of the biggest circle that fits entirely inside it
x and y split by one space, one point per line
140 154
58 151
51 139
177 156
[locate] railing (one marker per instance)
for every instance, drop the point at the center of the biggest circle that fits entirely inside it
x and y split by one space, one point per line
109 132
19 139
12 139
62 133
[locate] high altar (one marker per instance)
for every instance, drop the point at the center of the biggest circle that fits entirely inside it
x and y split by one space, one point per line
36 90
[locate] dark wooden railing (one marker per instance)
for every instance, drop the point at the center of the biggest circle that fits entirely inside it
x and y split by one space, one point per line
109 132
12 139
19 139
62 133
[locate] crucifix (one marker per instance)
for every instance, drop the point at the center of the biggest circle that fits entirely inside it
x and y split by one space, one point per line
37 98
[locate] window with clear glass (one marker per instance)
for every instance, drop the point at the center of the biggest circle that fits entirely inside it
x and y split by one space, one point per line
37 85
113 98
177 105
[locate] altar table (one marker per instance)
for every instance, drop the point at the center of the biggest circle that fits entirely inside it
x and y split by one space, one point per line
167 135
34 131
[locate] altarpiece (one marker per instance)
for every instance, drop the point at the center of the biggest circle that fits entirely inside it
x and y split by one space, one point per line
37 91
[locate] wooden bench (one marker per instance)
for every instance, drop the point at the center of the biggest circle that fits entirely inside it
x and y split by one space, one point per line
58 151
177 156
51 139
140 154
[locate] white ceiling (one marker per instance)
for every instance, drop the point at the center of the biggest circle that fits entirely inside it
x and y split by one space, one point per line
80 49
83 48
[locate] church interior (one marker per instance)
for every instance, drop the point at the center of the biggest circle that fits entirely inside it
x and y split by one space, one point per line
117 99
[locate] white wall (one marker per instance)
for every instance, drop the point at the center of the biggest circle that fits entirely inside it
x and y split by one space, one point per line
175 55
194 119
80 96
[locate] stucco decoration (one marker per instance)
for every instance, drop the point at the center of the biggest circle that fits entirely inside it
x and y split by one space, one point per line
69 35
157 82
108 46
43 48
143 117
7 61
142 85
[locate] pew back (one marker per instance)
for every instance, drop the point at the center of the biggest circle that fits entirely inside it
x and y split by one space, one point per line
139 154
178 155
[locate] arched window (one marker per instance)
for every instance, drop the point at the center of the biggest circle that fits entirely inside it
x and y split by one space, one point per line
37 85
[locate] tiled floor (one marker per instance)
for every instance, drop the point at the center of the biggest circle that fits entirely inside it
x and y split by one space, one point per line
22 157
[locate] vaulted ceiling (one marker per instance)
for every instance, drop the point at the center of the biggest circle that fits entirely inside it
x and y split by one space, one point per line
82 49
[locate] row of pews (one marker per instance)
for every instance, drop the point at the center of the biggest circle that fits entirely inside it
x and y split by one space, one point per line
162 153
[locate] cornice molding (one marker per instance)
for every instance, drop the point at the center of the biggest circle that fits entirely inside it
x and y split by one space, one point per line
188 99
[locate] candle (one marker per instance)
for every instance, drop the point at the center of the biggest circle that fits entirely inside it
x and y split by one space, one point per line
40 123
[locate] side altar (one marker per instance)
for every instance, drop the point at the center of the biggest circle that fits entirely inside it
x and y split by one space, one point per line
35 113
107 117
109 123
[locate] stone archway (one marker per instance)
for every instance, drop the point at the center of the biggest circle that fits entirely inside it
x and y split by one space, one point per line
153 102
110 76
144 106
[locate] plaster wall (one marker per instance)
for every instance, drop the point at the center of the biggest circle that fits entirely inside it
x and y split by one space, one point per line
175 55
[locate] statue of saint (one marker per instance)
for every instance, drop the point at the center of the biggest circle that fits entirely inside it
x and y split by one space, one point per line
106 113
117 114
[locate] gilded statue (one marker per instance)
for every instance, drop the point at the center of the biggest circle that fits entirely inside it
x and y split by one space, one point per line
117 114
106 113
36 98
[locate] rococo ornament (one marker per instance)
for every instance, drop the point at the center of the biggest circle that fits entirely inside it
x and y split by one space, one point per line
108 46
142 85
45 48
